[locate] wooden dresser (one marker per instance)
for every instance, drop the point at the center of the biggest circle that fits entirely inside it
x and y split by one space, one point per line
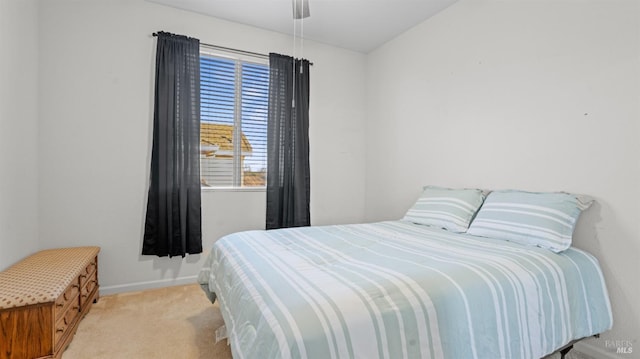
42 300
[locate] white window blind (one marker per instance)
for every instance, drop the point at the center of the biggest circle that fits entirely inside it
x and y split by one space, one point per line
234 96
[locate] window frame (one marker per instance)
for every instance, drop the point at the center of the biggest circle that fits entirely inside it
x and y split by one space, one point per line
238 58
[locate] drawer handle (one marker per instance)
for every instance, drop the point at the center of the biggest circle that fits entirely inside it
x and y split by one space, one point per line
59 330
83 276
64 295
60 305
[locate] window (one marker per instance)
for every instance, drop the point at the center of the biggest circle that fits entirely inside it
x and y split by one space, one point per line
234 93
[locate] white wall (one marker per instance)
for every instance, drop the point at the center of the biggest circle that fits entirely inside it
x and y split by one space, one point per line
96 75
534 95
18 130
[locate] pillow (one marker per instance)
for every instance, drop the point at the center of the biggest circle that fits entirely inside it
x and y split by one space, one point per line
451 209
545 220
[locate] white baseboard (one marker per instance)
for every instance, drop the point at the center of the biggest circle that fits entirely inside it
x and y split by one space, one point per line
134 287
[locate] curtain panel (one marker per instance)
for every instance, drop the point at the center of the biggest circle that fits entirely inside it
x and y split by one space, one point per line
288 174
173 218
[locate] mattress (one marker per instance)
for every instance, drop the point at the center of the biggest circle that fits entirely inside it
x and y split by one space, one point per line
400 290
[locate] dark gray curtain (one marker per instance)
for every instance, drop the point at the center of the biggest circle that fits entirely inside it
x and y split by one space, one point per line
288 177
173 222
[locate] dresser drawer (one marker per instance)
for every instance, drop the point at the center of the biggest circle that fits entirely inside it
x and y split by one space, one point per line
87 289
68 298
88 272
63 324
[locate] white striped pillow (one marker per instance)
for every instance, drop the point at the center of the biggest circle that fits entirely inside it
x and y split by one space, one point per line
545 220
451 209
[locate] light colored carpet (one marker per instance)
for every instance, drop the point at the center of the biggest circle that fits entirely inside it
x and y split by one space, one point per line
173 322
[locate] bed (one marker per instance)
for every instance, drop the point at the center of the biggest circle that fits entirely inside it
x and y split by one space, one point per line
397 289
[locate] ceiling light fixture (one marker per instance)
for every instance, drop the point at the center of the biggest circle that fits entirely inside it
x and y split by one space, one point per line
300 12
300 9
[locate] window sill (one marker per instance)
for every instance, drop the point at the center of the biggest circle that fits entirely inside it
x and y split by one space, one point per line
233 189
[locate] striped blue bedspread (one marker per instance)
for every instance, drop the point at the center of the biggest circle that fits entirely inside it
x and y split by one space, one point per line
399 290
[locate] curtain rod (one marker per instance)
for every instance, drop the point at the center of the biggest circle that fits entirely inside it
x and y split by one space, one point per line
242 52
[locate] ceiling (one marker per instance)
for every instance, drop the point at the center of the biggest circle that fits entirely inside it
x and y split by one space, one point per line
359 25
